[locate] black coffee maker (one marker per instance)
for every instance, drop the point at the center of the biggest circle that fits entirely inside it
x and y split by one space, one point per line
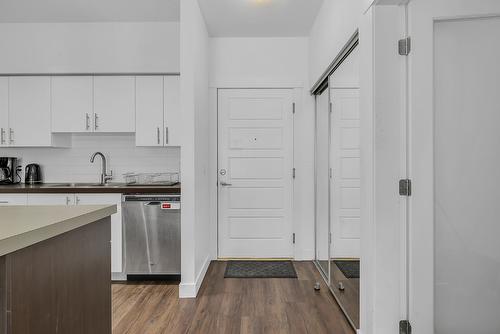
9 171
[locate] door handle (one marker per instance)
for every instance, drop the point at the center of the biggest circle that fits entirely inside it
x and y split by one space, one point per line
96 118
158 135
224 184
87 122
166 135
2 139
11 136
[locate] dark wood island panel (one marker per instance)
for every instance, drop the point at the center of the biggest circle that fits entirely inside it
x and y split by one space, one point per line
60 285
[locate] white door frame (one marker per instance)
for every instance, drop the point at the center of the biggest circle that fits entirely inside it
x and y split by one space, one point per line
297 91
422 147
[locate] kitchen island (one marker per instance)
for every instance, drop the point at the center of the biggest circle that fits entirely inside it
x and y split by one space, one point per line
55 269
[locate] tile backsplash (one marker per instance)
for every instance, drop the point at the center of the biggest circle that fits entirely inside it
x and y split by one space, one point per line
73 164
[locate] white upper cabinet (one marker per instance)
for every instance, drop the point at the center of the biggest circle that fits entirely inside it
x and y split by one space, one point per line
4 110
29 111
114 104
172 111
72 104
149 129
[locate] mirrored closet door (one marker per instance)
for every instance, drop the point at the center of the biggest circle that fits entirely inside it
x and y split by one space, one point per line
345 186
322 181
338 186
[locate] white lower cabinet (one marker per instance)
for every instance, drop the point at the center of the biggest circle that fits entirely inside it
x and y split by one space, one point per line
51 199
80 199
13 199
116 223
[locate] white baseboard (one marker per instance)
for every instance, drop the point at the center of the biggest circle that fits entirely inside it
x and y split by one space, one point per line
190 290
118 277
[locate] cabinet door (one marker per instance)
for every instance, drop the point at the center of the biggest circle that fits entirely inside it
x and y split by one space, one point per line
149 111
51 199
13 199
72 104
29 111
172 109
114 104
4 110
116 223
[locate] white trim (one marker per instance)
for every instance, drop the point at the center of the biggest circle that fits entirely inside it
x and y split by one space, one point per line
190 290
118 277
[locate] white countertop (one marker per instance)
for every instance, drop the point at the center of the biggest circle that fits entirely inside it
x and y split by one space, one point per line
23 226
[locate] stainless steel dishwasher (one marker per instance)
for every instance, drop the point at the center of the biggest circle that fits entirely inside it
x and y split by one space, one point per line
151 236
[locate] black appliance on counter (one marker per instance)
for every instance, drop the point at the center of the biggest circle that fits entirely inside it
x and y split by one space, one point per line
9 171
33 174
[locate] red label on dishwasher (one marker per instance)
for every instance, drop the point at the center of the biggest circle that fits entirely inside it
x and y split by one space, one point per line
166 205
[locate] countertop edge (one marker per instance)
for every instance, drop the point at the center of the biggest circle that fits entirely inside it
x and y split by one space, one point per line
29 238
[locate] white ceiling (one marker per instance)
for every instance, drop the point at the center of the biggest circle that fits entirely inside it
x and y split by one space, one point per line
88 10
259 18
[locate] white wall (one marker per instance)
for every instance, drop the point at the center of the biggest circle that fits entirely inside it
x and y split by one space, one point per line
337 20
195 227
73 164
271 63
383 140
89 47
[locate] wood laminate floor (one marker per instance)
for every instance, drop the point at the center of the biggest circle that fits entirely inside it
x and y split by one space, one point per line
230 306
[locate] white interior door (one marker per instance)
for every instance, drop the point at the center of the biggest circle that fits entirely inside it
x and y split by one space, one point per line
255 173
345 208
454 165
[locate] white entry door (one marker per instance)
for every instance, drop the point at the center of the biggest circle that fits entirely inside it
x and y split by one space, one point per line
345 207
255 173
454 166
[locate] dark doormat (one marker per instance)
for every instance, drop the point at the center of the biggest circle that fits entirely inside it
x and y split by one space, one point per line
350 268
260 269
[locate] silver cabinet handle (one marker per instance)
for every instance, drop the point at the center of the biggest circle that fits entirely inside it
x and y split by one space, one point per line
166 135
158 135
67 200
11 136
96 118
87 122
4 202
2 136
224 184
77 200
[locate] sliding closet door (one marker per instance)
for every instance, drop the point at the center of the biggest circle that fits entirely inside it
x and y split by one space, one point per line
345 186
322 181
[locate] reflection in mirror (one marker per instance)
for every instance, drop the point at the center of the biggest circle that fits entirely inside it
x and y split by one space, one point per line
345 191
322 176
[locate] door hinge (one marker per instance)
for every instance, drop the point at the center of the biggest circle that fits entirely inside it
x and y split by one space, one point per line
293 108
405 187
293 173
404 46
404 327
293 238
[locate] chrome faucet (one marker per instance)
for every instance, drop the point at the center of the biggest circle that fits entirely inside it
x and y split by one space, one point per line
104 176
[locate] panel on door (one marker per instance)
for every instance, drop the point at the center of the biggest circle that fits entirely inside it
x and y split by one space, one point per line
114 104
29 111
4 110
172 111
51 199
149 111
255 173
345 159
72 98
